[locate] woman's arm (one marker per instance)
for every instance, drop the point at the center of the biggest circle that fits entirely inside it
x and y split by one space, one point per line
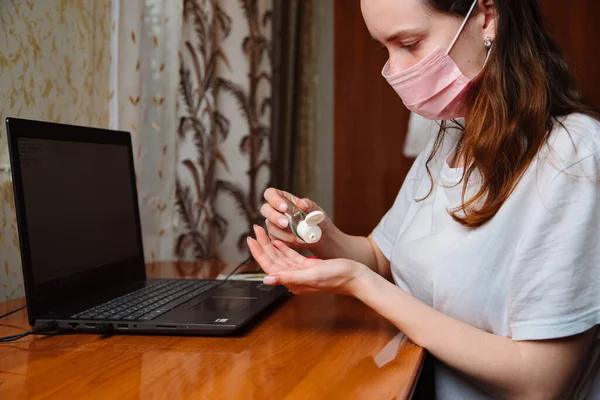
500 366
364 250
333 244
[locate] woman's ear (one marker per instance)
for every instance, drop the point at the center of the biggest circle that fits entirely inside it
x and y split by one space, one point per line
487 8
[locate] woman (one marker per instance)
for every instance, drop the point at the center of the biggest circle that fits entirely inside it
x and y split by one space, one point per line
493 242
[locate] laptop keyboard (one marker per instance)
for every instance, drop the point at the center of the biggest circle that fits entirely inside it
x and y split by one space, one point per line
148 302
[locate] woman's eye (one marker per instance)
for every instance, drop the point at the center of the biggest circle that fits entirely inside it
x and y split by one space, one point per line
410 46
382 47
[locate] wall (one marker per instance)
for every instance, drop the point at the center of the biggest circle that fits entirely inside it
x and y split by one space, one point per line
370 126
574 26
54 65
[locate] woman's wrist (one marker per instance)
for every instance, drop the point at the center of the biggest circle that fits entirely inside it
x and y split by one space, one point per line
363 280
329 245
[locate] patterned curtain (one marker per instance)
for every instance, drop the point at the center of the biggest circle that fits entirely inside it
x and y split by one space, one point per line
224 126
144 84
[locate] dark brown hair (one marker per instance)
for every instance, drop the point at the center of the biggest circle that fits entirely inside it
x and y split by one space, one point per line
525 86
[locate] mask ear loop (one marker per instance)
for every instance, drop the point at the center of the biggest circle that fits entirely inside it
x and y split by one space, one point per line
462 27
487 57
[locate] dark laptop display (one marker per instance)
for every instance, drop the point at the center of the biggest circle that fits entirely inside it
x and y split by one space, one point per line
81 244
80 206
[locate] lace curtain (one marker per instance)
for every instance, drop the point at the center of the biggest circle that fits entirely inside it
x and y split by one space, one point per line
145 39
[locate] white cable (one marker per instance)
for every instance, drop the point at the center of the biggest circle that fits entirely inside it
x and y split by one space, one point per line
462 27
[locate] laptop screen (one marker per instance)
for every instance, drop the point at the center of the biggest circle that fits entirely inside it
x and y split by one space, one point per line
77 213
78 198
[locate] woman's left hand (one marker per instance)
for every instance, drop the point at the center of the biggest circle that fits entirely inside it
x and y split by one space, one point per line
285 266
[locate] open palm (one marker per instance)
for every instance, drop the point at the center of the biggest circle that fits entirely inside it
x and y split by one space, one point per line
301 274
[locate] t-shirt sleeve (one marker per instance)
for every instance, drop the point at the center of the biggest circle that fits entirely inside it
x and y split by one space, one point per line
387 230
554 287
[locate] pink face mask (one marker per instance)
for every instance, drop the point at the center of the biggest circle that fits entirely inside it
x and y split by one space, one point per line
435 87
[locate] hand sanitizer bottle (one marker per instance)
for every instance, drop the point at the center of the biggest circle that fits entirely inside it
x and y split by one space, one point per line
305 226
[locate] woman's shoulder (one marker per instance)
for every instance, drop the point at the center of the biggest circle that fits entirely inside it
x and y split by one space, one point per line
576 135
574 144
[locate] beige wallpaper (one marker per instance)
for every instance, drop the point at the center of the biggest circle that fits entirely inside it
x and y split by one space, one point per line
55 66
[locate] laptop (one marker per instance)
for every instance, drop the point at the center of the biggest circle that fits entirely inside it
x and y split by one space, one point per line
81 243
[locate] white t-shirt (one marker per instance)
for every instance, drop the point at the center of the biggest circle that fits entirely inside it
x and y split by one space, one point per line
530 273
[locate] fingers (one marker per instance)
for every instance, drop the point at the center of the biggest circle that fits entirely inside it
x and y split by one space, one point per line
277 223
263 259
273 216
286 236
307 205
289 253
267 247
280 234
293 277
275 199
274 259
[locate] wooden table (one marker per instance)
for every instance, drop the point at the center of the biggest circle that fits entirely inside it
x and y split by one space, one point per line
320 346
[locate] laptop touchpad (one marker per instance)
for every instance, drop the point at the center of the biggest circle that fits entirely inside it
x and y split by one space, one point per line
231 304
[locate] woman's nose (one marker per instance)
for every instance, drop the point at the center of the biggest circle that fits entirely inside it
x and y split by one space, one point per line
393 66
395 63
399 61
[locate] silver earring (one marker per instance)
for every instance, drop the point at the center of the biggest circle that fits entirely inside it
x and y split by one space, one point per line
488 42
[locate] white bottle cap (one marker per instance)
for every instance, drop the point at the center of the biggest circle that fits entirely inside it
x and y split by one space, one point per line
308 229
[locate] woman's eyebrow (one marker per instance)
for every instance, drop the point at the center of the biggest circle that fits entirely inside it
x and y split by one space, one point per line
399 35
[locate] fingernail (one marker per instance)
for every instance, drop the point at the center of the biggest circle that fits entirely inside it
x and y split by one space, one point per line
306 203
255 227
283 222
270 280
282 207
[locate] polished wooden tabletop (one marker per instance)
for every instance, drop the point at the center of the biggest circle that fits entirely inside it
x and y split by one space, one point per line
319 346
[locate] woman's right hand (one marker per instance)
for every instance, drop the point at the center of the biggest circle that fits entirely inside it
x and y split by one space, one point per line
277 223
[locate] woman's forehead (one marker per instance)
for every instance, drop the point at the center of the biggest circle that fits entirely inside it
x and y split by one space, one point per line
385 18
